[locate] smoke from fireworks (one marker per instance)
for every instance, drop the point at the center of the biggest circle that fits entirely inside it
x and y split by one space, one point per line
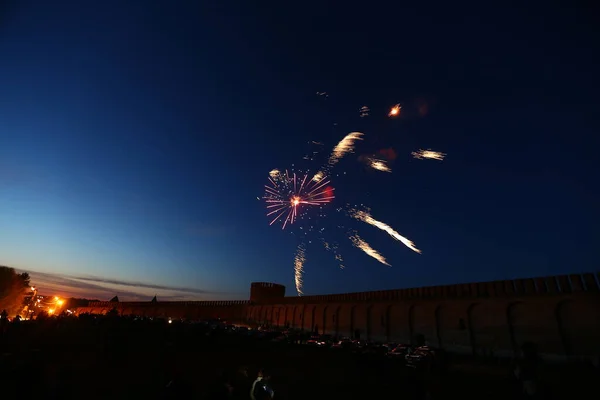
434 155
364 246
299 260
368 219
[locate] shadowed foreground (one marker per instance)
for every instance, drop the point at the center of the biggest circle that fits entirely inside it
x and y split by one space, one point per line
99 358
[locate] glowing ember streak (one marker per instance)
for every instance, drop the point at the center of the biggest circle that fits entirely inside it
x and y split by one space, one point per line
287 193
318 176
364 246
367 218
345 146
334 249
274 174
434 155
364 111
379 165
395 111
299 260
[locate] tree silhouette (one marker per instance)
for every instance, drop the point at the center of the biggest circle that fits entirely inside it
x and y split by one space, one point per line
13 287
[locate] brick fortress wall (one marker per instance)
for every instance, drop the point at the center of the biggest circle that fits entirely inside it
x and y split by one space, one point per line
561 314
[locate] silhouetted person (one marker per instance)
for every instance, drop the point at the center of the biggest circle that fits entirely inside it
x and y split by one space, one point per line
261 388
526 370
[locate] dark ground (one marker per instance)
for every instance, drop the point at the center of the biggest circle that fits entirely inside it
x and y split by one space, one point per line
118 359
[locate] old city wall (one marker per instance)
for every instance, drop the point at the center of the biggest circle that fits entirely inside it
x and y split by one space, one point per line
560 314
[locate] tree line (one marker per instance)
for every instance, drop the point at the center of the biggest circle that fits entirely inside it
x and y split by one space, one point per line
13 289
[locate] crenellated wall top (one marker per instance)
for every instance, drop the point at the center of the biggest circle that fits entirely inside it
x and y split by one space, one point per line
550 285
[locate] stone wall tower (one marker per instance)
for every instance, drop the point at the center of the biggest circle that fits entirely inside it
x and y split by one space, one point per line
266 292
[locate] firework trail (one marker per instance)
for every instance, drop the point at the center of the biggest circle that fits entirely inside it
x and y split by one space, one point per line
368 219
299 260
345 146
286 193
318 176
379 165
364 111
395 111
434 155
275 174
364 246
334 249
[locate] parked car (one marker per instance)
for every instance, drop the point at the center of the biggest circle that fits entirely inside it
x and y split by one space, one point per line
399 352
423 357
343 344
375 349
325 341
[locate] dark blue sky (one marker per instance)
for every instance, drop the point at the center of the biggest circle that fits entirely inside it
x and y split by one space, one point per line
135 138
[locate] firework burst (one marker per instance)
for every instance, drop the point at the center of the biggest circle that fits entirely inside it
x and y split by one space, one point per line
293 195
287 193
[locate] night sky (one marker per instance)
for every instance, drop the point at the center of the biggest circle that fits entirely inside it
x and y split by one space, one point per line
135 139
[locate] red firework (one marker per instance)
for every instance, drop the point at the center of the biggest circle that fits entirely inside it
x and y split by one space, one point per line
286 195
